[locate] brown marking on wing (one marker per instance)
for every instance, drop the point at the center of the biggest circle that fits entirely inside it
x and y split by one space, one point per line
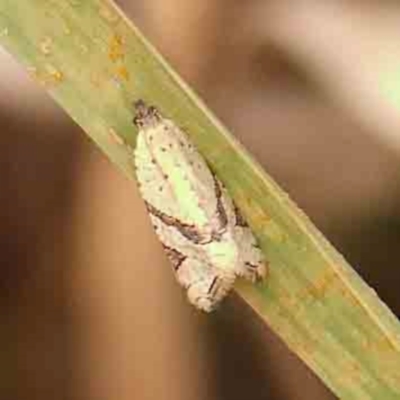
212 287
189 231
174 256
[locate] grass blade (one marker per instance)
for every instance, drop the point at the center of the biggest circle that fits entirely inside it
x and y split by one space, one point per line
94 62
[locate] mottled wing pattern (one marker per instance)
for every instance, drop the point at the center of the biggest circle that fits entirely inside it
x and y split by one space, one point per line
167 157
203 234
205 286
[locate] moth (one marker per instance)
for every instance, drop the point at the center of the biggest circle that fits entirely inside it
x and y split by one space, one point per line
207 241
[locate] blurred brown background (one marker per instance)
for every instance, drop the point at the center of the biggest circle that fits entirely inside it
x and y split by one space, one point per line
89 307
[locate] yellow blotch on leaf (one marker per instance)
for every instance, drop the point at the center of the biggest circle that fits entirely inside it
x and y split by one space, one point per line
116 51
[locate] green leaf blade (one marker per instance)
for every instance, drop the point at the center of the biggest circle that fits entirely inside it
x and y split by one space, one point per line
95 64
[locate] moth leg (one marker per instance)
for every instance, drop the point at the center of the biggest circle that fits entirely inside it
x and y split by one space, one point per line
252 265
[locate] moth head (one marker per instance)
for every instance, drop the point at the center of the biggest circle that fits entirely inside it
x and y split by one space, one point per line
145 116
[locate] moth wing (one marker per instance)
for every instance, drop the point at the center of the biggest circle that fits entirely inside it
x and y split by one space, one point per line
204 283
153 185
207 291
190 179
251 264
